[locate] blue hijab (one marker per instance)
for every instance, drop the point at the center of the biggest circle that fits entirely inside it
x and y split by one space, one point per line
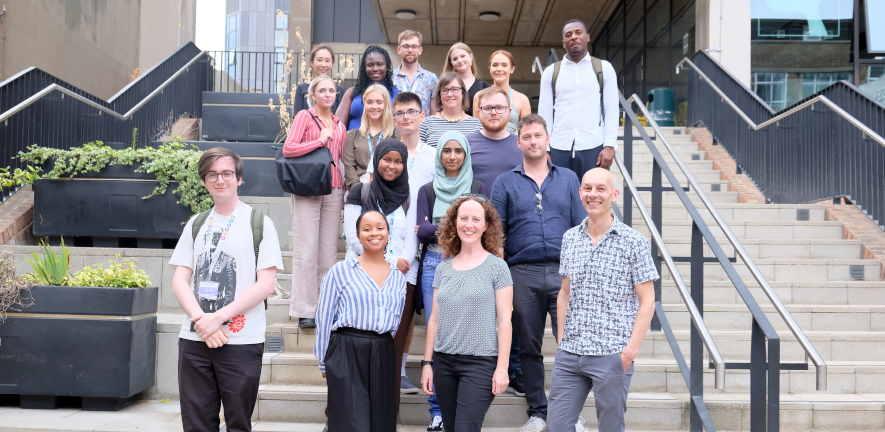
448 191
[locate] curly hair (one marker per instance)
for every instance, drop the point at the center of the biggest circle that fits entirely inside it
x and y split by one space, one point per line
363 81
492 238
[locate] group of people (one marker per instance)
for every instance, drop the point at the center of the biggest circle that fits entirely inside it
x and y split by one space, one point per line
458 204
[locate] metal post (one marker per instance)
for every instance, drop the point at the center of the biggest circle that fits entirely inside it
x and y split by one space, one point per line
774 384
697 345
757 380
627 211
657 196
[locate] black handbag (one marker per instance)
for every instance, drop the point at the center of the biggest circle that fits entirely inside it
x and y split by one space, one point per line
308 175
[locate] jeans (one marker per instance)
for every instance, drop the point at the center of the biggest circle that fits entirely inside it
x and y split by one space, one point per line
431 261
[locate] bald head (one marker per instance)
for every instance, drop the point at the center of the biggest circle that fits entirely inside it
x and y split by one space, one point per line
598 192
599 176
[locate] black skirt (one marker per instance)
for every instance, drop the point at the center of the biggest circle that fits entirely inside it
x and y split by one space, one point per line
360 372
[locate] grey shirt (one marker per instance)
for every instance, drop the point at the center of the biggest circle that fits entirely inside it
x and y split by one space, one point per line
491 158
466 301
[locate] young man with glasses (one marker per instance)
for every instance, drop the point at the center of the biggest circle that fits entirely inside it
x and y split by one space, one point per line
410 76
537 202
493 150
221 282
407 117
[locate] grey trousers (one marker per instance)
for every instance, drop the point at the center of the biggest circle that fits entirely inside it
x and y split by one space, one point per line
571 381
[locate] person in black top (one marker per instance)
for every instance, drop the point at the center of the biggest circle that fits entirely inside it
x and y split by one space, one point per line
321 60
460 60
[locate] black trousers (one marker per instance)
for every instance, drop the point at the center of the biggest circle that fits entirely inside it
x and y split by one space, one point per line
583 161
360 371
463 389
535 289
208 377
402 333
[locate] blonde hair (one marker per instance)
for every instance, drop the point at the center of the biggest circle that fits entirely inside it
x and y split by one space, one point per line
448 66
408 34
386 112
313 86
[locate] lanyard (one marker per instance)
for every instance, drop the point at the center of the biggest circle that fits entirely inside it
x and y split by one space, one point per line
389 222
213 260
412 159
371 151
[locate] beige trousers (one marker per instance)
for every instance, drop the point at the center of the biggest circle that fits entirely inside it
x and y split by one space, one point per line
316 222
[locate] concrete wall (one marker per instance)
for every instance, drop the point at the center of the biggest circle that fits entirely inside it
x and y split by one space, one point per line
725 25
92 44
166 25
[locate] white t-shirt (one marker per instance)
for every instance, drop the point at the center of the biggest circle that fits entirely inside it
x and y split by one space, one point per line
235 270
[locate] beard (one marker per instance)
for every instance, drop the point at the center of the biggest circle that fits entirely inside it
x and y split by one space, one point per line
493 128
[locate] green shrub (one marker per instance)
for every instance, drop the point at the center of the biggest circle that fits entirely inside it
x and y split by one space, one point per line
117 275
49 268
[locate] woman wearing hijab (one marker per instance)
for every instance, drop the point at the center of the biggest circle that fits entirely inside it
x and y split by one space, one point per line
388 192
454 177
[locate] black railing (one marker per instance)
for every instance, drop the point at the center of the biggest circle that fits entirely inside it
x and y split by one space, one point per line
262 72
59 121
765 347
827 146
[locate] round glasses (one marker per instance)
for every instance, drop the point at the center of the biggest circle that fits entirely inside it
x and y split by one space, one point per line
212 177
538 207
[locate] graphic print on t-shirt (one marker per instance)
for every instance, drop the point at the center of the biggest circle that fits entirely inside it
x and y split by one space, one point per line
224 274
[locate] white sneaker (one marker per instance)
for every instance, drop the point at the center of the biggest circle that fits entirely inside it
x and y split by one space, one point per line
535 424
579 426
436 424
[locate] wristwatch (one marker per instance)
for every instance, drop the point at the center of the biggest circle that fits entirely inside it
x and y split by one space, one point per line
426 363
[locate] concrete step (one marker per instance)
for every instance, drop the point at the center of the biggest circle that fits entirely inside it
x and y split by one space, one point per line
745 212
774 248
792 270
750 229
861 293
809 317
727 197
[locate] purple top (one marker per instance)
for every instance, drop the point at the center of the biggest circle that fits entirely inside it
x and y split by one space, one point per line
426 228
490 158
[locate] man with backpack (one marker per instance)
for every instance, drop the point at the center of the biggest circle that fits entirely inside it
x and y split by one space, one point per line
225 268
583 133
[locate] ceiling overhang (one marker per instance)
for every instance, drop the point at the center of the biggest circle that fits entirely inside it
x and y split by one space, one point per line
520 22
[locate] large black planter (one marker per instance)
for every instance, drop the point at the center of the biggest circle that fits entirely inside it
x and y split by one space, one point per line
96 343
240 117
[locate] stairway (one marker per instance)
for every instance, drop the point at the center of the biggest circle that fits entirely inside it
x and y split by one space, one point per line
806 262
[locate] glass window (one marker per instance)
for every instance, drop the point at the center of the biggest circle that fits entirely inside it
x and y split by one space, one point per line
635 11
657 24
807 20
815 82
875 72
772 89
282 20
280 37
232 40
875 31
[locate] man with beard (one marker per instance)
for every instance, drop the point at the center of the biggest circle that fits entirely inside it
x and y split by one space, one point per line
537 202
410 76
583 133
493 150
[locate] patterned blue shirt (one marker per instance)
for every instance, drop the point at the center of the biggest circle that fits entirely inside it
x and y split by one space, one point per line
422 85
603 304
350 298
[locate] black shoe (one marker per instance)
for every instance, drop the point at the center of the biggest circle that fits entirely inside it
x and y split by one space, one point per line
306 323
436 425
516 387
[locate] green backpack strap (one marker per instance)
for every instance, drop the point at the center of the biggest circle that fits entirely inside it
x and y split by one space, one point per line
556 67
198 223
597 68
257 224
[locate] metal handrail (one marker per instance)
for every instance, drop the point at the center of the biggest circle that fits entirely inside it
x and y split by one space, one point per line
55 87
810 351
696 317
820 98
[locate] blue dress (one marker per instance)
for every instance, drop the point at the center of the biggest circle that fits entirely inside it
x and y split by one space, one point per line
356 110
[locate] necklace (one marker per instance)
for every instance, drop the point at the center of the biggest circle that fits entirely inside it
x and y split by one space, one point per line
451 121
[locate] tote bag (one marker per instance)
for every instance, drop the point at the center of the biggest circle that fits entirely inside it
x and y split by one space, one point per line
308 175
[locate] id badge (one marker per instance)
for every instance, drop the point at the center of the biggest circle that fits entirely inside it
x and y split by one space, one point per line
208 290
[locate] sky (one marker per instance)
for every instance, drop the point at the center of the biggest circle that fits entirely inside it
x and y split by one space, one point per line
210 25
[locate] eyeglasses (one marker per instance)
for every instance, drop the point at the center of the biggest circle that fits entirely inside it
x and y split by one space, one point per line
399 115
446 91
478 197
212 177
538 208
500 109
410 47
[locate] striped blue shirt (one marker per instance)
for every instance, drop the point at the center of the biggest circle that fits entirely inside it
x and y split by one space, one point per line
350 298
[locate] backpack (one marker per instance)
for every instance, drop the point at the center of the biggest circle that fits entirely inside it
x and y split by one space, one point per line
256 222
597 68
431 199
364 193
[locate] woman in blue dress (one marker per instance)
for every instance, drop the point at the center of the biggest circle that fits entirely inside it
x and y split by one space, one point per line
375 68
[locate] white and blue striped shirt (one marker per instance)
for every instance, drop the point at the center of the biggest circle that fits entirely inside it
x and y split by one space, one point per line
350 298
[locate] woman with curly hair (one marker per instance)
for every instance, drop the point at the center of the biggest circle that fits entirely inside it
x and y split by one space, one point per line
469 332
375 68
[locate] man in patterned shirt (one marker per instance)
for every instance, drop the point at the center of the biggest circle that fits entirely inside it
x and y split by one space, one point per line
608 295
409 76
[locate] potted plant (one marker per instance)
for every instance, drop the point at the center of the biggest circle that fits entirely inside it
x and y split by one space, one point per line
92 334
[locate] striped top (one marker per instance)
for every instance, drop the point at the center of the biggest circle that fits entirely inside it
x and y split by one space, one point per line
304 137
350 298
433 128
